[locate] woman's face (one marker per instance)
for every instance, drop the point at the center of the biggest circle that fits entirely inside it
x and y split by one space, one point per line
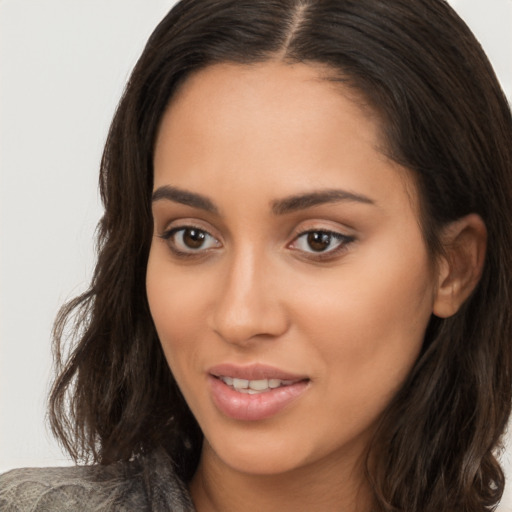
287 258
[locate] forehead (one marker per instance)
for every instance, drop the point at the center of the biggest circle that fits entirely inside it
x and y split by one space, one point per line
300 91
271 123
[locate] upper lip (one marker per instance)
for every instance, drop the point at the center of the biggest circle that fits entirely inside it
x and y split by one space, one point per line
253 372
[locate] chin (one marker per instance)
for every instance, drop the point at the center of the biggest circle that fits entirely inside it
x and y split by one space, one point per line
259 460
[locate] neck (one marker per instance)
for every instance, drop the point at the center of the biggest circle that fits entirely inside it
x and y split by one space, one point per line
326 485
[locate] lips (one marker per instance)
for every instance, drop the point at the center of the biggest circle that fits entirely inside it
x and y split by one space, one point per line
253 372
255 392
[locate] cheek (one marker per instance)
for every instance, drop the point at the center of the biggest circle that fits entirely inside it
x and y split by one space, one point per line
369 331
175 308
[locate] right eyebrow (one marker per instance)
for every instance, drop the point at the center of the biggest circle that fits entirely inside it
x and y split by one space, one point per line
185 197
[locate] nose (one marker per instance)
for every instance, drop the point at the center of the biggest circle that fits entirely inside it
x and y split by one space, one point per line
249 305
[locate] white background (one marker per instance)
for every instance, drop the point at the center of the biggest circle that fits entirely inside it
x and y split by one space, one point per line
63 65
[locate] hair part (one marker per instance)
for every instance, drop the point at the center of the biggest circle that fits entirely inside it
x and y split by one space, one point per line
443 116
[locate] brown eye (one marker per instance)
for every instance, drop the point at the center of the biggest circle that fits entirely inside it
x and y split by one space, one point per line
319 241
193 238
188 240
321 244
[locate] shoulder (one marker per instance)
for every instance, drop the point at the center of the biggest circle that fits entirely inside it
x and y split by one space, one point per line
148 483
70 489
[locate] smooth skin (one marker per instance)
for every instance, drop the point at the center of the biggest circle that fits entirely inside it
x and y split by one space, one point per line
338 286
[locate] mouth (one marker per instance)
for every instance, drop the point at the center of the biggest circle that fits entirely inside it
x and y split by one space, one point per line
255 387
255 392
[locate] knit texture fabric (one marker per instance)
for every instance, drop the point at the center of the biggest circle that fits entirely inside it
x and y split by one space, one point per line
148 483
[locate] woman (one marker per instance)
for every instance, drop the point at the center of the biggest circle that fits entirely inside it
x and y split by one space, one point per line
302 290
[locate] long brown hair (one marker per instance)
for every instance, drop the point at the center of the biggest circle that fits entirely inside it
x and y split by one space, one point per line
443 116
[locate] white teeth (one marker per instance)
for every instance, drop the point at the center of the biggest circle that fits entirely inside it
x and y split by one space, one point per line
240 383
253 387
258 385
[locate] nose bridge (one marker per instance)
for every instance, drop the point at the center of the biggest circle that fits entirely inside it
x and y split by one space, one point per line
248 304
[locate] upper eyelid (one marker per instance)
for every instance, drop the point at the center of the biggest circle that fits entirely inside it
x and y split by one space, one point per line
320 230
177 224
181 227
323 226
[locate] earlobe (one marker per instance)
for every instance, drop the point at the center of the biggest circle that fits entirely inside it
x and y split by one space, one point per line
461 266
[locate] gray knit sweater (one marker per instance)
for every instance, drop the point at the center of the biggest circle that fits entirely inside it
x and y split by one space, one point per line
147 483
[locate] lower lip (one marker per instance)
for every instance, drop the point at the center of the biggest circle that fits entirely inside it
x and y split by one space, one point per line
260 406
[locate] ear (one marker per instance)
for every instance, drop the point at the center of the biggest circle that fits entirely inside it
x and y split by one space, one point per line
460 268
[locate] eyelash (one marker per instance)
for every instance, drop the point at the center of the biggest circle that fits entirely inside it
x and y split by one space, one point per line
343 242
170 233
342 246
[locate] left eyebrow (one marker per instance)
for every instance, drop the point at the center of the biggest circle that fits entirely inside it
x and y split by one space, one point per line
310 199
